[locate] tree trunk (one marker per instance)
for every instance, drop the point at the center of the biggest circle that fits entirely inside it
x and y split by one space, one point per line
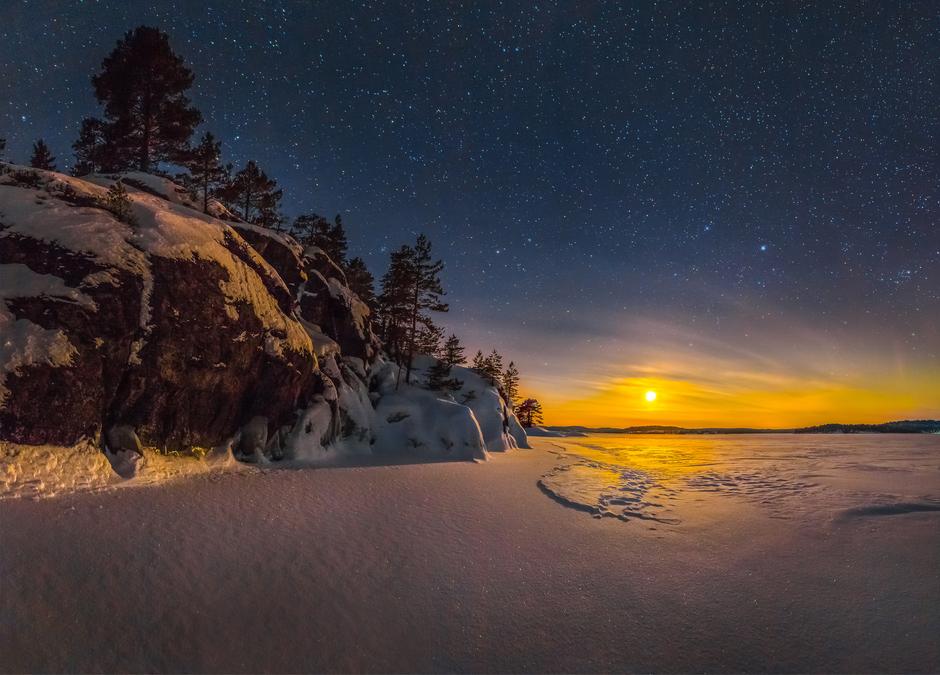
411 342
145 143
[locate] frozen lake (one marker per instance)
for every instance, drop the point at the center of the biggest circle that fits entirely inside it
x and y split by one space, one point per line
810 478
767 554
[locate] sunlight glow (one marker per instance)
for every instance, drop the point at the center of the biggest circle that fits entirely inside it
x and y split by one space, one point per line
651 396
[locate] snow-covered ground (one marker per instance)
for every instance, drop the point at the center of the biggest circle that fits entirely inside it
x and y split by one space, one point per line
460 566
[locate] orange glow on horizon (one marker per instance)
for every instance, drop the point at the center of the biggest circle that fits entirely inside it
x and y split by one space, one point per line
744 400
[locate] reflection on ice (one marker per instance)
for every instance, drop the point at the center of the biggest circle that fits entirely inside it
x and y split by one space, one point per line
659 477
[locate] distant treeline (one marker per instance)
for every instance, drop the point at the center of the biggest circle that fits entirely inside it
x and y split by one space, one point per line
899 427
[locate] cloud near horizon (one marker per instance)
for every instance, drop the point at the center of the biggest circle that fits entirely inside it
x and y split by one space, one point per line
769 371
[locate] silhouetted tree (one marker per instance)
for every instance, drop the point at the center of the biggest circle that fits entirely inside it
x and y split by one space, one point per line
394 301
490 367
315 230
529 412
90 151
426 292
453 351
410 289
309 228
42 158
3 146
439 377
149 119
269 212
206 172
511 383
361 281
253 193
429 339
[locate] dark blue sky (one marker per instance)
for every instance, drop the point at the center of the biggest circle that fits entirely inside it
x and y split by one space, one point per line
711 164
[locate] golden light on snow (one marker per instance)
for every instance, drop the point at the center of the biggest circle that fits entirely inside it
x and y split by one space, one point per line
651 396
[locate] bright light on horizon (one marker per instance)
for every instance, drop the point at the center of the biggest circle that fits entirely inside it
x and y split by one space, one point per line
651 396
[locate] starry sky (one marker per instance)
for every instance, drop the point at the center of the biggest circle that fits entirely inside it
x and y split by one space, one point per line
734 204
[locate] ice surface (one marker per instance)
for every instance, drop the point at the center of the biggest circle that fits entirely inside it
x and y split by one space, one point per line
660 477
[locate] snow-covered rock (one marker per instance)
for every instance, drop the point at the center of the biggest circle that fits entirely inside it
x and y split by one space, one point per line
170 324
165 330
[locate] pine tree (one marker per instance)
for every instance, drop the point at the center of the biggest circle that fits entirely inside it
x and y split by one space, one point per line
315 230
118 202
410 289
42 158
253 193
529 412
490 367
3 146
426 292
149 119
429 340
495 365
269 212
310 228
90 149
439 378
338 243
451 355
206 172
453 351
511 383
394 301
361 281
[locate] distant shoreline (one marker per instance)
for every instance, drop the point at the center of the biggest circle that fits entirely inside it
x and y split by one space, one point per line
897 427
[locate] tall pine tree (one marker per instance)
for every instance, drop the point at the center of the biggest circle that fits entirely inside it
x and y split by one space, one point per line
206 172
425 294
394 302
252 193
142 86
42 158
361 281
3 146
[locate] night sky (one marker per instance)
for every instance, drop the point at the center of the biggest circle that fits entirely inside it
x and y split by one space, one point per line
735 204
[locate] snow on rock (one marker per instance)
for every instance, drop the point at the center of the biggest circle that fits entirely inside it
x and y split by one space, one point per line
170 324
498 424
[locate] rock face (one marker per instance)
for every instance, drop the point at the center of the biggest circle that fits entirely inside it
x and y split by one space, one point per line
150 325
171 324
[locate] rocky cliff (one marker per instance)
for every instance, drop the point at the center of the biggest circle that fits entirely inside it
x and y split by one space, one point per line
148 326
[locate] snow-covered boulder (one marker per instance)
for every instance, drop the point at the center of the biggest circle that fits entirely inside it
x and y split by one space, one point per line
163 323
